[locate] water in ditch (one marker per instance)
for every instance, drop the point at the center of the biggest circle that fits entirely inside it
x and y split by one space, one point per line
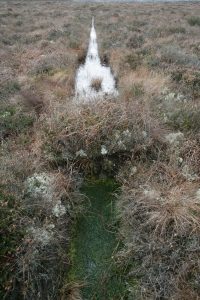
95 244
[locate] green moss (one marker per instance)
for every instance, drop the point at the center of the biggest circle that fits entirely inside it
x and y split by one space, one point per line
177 75
10 237
13 121
185 120
95 244
8 89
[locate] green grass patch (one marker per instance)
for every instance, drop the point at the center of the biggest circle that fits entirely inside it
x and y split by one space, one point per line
177 29
185 120
13 121
137 90
10 238
8 89
194 20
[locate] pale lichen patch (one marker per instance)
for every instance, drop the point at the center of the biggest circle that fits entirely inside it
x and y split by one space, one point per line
59 209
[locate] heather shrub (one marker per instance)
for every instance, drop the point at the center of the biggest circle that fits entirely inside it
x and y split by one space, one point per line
160 227
176 55
133 60
98 130
9 88
178 29
11 233
14 121
194 20
50 63
135 41
185 120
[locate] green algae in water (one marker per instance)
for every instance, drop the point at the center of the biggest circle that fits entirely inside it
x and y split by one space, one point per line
95 243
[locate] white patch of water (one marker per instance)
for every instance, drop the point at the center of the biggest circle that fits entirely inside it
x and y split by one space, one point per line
93 80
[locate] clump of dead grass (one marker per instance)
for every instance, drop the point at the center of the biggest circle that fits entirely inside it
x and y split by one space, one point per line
135 41
174 54
96 84
194 20
151 82
160 212
116 125
33 101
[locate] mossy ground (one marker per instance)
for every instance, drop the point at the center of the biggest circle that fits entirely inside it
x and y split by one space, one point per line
95 244
10 234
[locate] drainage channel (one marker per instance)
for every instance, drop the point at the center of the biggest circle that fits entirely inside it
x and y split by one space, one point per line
95 243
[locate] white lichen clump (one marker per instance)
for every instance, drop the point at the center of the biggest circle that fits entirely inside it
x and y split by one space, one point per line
151 194
174 138
133 170
172 97
40 185
93 71
41 235
121 140
81 153
59 209
104 151
188 173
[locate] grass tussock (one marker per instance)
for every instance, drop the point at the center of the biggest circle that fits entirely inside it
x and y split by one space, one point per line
194 20
96 84
160 222
97 130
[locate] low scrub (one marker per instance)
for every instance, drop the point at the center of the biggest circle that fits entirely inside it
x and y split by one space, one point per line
185 120
133 60
176 55
98 130
14 121
194 20
9 88
10 234
161 221
49 64
135 41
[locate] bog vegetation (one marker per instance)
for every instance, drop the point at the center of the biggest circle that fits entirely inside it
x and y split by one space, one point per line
147 139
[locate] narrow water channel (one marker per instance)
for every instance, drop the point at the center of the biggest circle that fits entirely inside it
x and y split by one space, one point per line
95 244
